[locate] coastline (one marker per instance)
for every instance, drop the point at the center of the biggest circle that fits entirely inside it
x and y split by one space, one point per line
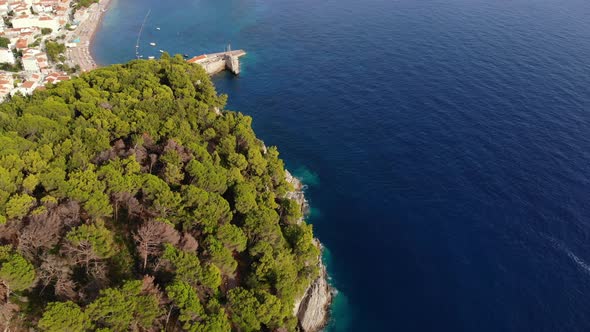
312 309
86 31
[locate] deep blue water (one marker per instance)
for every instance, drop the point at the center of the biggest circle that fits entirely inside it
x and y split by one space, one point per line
446 144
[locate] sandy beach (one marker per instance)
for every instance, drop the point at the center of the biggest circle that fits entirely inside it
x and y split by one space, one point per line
85 31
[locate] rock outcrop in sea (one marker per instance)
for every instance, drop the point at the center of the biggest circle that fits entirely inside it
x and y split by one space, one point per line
312 309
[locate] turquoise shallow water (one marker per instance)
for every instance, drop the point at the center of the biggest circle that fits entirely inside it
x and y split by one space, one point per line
445 144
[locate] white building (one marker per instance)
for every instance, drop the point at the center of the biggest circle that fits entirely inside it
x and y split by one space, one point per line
55 78
30 64
42 62
19 8
4 7
29 21
48 22
42 8
29 59
21 44
6 84
6 56
26 88
24 21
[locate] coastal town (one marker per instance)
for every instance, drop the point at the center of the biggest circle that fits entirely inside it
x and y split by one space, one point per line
45 42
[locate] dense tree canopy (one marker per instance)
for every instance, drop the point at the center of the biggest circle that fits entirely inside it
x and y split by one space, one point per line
54 49
131 200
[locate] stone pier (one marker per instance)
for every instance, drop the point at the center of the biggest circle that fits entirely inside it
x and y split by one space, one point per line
232 64
217 62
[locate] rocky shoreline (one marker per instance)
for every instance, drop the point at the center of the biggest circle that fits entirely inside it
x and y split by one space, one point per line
313 308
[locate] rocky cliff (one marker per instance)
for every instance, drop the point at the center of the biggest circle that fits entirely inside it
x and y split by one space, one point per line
312 309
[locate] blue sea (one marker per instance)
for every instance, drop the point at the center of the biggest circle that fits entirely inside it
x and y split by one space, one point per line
445 143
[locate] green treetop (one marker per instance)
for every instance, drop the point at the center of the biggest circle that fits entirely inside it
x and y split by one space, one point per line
17 273
64 316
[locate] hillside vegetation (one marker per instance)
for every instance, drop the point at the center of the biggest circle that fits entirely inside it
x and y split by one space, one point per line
130 200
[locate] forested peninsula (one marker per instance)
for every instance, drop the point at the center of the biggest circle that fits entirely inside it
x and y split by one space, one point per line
131 200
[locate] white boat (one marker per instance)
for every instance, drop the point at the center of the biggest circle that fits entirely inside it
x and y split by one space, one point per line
151 57
161 51
158 28
153 44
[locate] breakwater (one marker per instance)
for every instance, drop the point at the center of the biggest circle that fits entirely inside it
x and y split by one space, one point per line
217 62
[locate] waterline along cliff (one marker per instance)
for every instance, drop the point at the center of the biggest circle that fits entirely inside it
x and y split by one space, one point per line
131 199
312 308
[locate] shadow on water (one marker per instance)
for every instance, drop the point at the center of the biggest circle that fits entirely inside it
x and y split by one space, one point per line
307 176
340 313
